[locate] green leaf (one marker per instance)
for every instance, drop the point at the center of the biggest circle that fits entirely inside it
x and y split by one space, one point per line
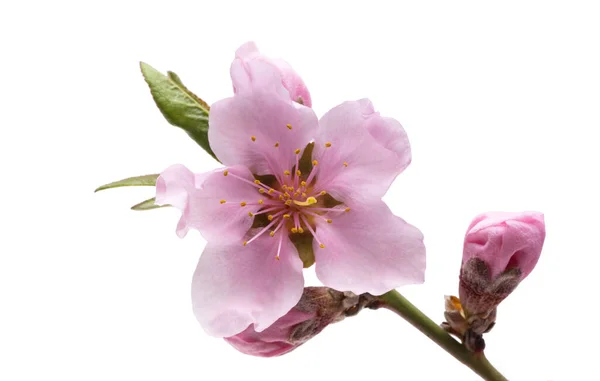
179 106
146 180
147 205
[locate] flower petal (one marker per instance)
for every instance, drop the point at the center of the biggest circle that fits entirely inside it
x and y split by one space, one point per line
235 286
199 198
369 249
367 152
260 131
251 69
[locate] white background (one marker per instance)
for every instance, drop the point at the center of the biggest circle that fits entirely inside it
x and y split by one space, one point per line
501 103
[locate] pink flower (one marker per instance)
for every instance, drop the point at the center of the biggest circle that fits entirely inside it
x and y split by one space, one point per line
250 66
505 241
318 307
251 210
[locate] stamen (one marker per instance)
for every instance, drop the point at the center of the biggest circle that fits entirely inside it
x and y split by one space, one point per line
321 245
265 229
253 138
345 164
225 172
328 144
257 182
298 173
243 203
286 172
267 210
303 194
288 202
261 190
303 183
286 216
251 214
315 163
347 210
289 126
307 211
276 144
300 230
294 230
271 191
297 151
279 246
260 202
222 201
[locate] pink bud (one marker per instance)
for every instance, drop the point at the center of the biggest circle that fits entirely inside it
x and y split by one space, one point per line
244 72
500 250
318 307
505 241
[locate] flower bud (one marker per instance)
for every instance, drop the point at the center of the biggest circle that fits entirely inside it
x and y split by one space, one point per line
248 67
318 307
500 250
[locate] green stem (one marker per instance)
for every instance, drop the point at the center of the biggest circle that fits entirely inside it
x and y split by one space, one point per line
478 363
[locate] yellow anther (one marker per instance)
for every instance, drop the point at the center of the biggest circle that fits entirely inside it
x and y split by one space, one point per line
272 233
347 210
298 173
300 230
253 138
328 144
303 194
284 187
315 162
321 246
288 202
294 230
243 203
222 201
286 172
276 144
291 189
261 190
260 202
277 257
329 221
256 182
287 195
303 183
297 151
271 191
322 193
270 217
225 173
289 126
245 243
296 194
287 216
309 201
345 164
251 214
281 197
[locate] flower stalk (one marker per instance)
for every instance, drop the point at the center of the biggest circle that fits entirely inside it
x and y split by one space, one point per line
477 362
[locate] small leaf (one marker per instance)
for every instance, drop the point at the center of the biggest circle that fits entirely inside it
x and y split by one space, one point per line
147 205
179 106
146 180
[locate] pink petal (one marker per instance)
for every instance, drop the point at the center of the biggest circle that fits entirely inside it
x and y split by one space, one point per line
252 130
505 240
369 249
235 286
199 198
367 152
273 341
251 69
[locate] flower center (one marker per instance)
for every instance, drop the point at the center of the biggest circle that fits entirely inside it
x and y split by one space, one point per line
292 203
